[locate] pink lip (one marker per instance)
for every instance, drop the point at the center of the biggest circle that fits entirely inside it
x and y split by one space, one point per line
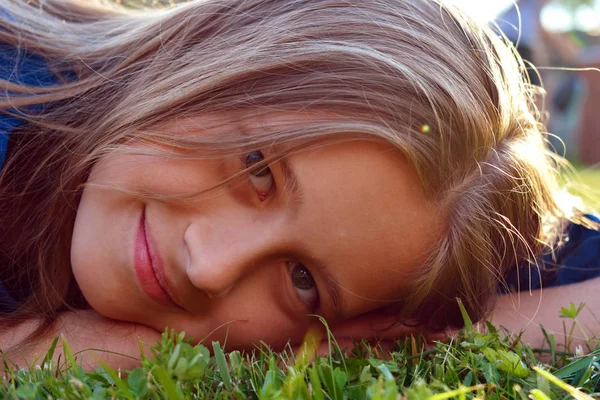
148 269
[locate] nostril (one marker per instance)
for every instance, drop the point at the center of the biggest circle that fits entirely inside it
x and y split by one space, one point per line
188 257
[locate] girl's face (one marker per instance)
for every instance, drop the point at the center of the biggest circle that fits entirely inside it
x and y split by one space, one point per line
333 231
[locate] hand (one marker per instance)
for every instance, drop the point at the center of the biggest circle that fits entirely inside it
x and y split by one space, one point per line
90 337
379 329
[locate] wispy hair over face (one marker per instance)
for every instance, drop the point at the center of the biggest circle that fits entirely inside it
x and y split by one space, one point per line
377 69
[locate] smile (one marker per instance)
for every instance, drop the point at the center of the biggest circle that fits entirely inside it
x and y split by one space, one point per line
146 268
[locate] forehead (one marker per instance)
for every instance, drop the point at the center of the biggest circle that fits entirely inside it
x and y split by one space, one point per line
367 215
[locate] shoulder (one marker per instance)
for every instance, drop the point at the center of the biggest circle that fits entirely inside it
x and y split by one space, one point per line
579 257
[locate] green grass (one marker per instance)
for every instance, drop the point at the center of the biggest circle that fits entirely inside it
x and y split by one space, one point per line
471 365
585 183
591 177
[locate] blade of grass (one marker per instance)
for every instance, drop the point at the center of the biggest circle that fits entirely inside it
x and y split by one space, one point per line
162 376
552 343
539 395
123 387
50 352
564 386
222 364
467 320
458 392
78 372
574 367
317 388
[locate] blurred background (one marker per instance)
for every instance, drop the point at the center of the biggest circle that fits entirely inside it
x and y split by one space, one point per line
562 39
557 36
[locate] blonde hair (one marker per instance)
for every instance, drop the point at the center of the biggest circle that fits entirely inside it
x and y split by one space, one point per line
446 92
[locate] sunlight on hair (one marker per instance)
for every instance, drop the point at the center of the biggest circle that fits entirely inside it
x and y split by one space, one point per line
482 11
568 203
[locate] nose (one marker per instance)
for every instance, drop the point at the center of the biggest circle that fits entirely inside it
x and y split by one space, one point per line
221 254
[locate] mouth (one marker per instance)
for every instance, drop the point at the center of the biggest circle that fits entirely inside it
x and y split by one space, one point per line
148 267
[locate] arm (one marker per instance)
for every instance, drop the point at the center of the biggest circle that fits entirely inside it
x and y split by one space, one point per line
82 330
528 311
514 312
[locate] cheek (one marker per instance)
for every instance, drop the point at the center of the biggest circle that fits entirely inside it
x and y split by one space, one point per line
102 250
83 246
85 257
160 175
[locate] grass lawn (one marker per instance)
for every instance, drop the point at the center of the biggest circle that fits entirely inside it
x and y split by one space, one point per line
471 366
591 177
586 183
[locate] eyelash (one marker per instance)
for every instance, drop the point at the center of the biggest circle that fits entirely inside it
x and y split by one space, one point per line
259 176
313 304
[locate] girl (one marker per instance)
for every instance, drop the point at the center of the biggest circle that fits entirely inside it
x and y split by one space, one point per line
229 167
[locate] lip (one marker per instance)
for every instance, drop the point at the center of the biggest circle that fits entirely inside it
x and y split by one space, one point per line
148 267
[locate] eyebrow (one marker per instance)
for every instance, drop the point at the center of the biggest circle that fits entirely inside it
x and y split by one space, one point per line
331 286
294 192
292 187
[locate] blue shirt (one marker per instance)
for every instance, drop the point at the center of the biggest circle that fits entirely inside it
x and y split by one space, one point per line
576 260
19 66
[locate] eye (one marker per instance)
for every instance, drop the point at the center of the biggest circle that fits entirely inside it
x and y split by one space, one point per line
261 177
304 284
